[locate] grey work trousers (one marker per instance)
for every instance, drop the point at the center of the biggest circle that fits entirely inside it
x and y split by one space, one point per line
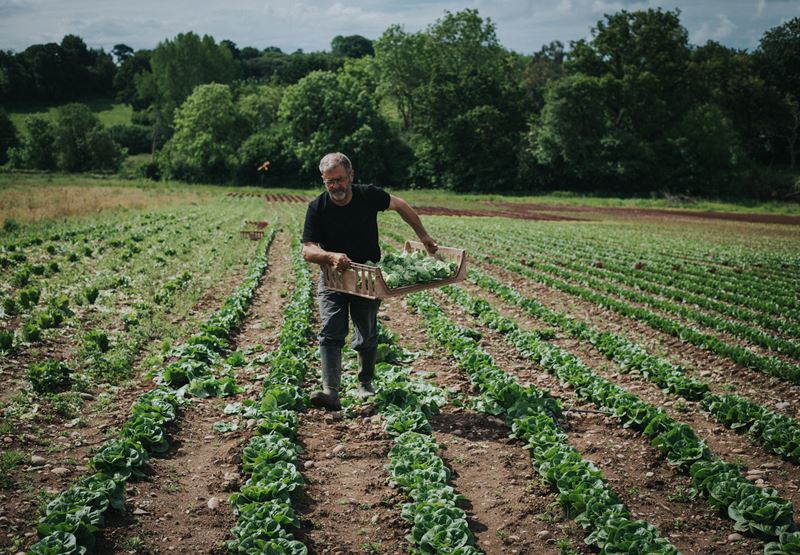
334 308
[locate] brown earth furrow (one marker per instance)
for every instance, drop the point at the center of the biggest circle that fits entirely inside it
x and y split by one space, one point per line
67 443
348 505
723 375
771 469
509 509
637 472
184 506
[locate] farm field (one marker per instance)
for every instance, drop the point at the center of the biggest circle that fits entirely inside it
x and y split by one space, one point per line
605 380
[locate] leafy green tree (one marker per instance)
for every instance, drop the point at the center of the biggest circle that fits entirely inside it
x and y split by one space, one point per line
327 112
16 82
707 159
778 56
544 66
36 145
274 65
623 118
207 135
351 46
8 135
125 80
731 79
258 106
82 143
181 64
457 91
122 52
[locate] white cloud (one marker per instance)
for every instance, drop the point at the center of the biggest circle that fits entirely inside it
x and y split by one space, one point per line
718 30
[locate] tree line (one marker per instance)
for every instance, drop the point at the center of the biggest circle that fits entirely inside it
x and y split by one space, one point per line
635 109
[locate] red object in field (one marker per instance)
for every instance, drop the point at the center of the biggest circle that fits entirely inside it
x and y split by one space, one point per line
259 224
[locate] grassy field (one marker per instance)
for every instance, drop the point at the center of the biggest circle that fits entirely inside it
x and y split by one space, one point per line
108 110
34 190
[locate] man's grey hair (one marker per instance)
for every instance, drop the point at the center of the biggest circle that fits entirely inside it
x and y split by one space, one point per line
334 159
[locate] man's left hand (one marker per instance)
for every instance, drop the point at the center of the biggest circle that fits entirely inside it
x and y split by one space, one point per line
430 245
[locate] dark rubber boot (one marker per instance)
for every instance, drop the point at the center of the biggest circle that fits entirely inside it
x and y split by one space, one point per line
366 364
328 398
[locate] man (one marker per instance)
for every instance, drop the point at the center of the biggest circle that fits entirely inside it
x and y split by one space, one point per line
341 227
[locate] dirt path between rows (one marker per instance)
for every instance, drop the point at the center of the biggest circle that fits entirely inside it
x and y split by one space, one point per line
723 375
509 509
651 489
771 470
184 506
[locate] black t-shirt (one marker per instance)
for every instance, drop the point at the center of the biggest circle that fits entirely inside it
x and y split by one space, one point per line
351 229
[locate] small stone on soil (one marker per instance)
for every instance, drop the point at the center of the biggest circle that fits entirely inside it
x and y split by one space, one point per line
213 503
735 537
308 464
544 535
37 460
60 471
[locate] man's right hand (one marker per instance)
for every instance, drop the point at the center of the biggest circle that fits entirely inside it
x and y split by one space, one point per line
340 261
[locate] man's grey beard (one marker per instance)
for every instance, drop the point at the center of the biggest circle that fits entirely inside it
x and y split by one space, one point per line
338 195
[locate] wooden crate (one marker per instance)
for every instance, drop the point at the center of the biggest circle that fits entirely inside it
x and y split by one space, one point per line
367 281
252 234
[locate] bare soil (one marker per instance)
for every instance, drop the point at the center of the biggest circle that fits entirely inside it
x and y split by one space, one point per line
637 472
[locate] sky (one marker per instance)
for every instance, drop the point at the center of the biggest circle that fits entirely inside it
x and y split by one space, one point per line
521 25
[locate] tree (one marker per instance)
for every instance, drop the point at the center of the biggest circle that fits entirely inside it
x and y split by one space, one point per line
351 46
179 65
327 112
779 62
122 52
627 116
82 143
258 106
125 79
207 135
457 91
730 79
544 66
36 146
8 135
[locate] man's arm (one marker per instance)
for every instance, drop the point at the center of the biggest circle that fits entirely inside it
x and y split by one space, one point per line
412 219
315 254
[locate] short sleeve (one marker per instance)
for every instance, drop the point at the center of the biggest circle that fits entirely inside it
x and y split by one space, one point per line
311 226
377 198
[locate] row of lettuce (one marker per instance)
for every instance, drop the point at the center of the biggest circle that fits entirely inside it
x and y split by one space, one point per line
72 519
658 278
533 415
778 433
438 524
759 511
586 288
263 506
750 294
33 282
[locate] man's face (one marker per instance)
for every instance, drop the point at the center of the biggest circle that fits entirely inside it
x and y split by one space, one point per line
338 183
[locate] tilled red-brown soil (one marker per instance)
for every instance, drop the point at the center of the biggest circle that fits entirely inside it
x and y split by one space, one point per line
722 374
636 471
61 447
183 507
